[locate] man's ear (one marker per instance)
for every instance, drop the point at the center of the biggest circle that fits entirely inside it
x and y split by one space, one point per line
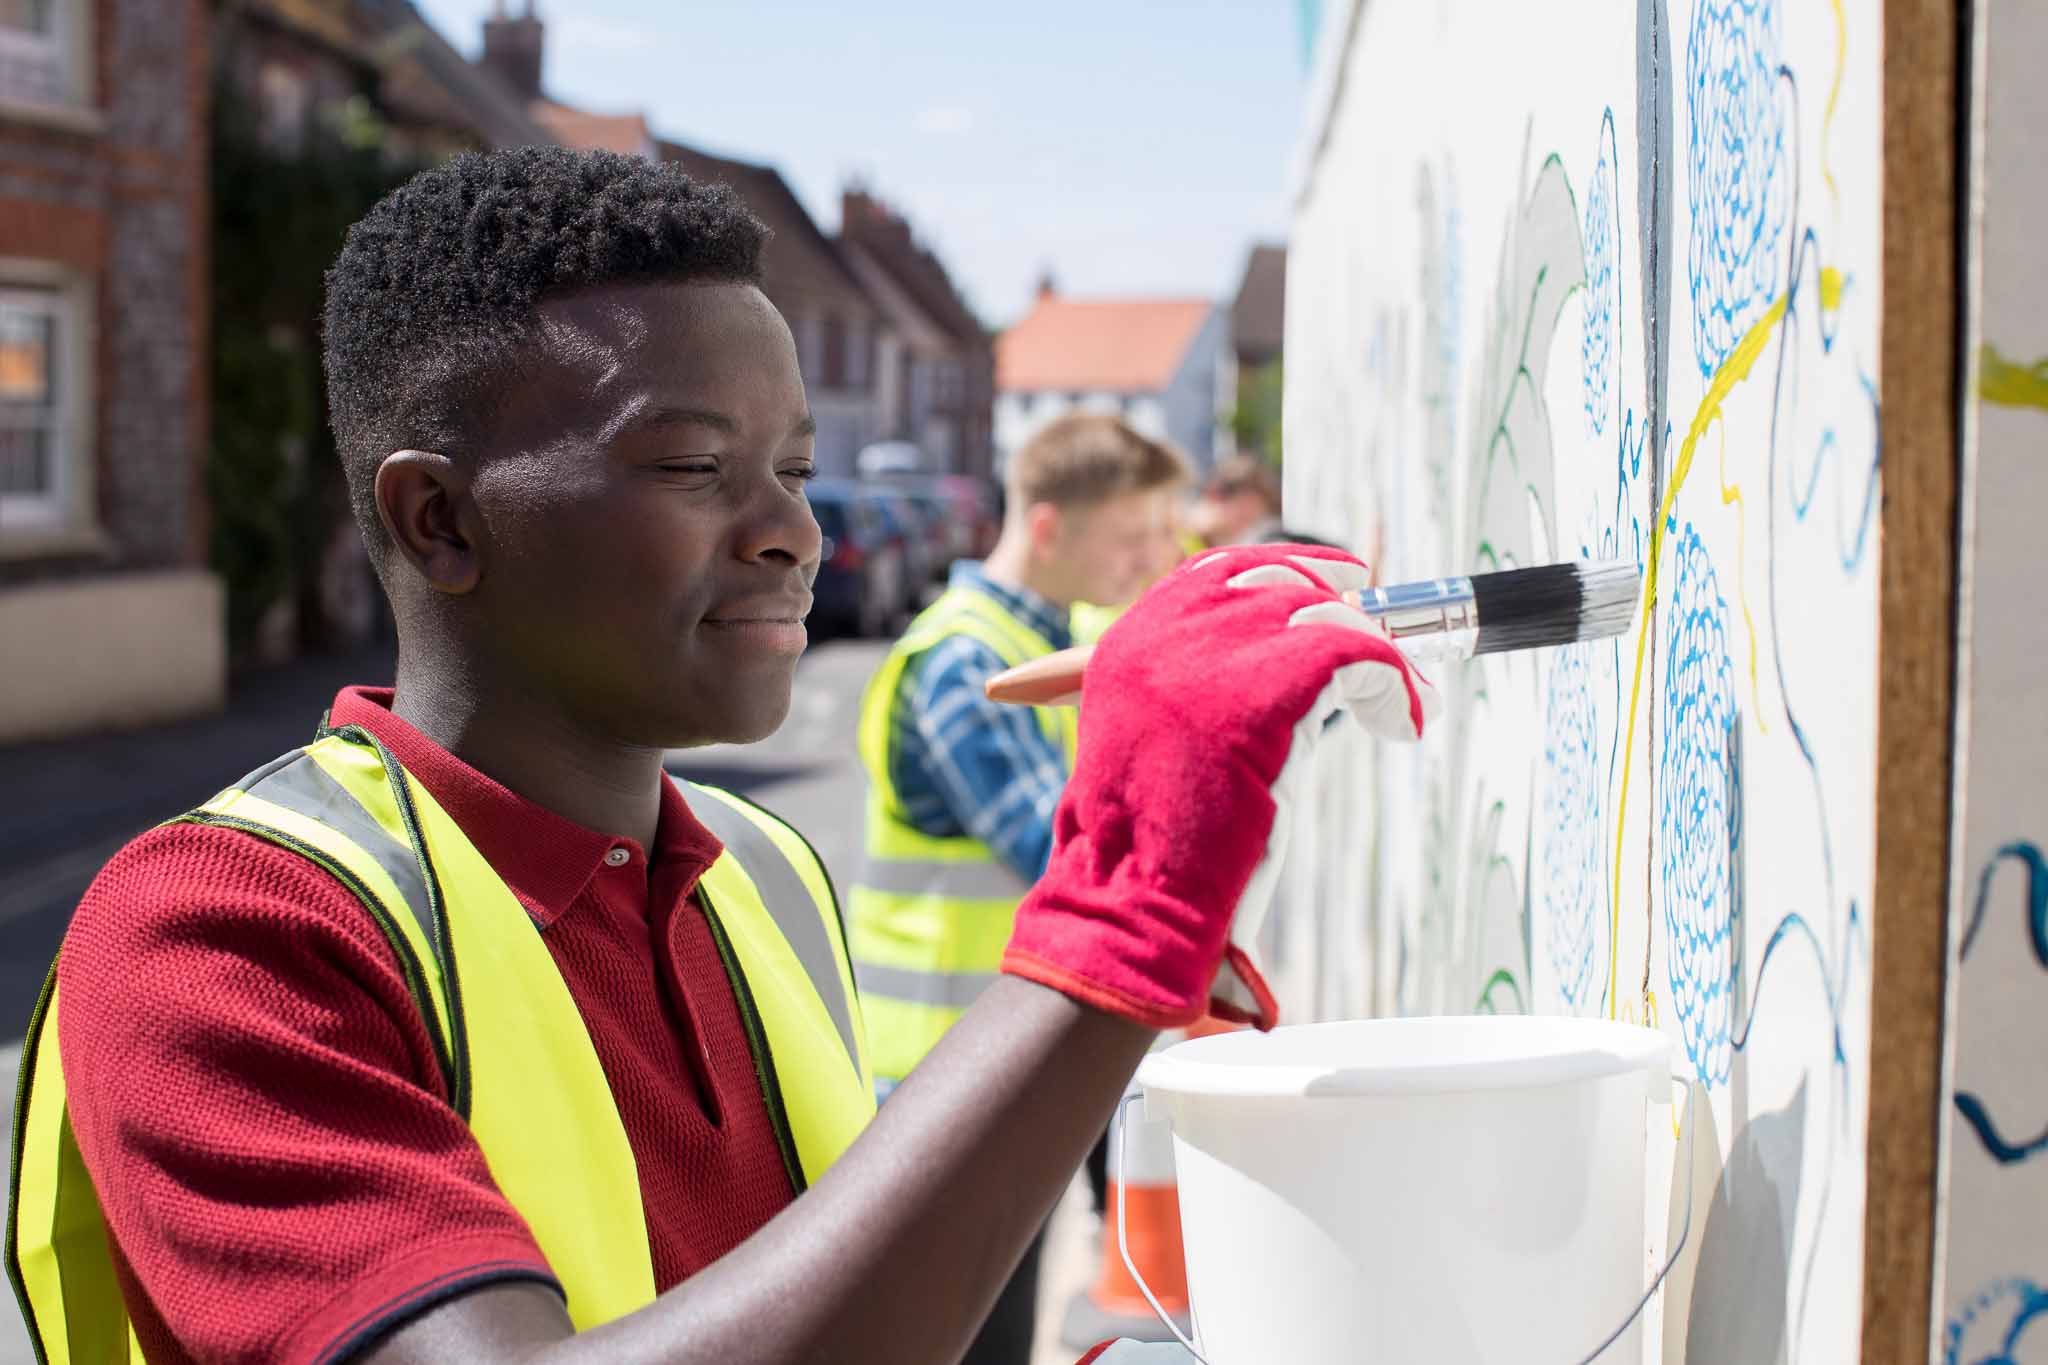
423 500
1044 522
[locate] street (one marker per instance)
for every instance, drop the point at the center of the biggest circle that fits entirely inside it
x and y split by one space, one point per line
74 803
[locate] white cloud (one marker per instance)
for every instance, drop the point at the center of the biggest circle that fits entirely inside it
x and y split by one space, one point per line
602 35
943 120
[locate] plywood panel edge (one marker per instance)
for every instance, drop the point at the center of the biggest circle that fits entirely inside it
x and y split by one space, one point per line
1923 92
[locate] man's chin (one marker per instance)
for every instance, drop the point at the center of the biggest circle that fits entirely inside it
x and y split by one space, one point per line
748 725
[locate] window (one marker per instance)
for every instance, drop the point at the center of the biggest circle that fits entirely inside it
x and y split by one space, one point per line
810 348
833 374
947 385
286 104
41 436
859 355
42 51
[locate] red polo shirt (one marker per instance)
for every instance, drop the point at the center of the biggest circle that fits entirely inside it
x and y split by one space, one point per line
255 1094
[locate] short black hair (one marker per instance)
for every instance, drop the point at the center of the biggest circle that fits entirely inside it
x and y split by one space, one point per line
436 288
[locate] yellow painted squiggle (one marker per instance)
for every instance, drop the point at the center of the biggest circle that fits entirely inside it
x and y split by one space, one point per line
1732 493
1733 371
1827 119
2002 382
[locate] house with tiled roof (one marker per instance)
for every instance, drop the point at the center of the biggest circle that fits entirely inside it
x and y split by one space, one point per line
839 328
937 368
1258 316
1162 364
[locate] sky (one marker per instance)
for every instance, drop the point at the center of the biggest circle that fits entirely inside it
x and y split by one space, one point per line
1129 146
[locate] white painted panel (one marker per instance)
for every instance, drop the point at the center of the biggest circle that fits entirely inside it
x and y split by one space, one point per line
1582 278
1995 1249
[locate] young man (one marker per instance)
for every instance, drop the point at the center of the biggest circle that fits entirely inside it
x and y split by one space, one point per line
961 790
463 1033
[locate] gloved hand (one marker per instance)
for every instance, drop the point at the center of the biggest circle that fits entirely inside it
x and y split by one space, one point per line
1198 712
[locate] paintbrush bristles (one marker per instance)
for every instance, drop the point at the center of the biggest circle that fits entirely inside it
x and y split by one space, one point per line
1611 591
1553 604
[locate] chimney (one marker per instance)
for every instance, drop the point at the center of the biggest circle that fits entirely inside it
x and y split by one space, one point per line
512 48
1046 288
856 210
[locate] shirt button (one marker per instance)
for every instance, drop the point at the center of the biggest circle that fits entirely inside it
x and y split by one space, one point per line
618 857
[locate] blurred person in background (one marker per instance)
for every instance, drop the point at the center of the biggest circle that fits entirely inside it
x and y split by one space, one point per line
1089 619
961 790
1239 503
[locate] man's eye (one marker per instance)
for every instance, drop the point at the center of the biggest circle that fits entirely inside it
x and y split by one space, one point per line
805 473
691 467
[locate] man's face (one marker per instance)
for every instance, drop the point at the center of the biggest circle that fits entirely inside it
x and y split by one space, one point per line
649 548
1110 551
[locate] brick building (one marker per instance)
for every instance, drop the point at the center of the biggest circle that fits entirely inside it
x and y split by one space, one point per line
939 380
839 329
108 614
322 106
1162 364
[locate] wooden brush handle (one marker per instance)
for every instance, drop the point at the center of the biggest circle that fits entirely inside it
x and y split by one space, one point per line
1054 680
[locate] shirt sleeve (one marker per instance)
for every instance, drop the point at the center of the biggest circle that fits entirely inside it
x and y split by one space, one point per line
256 1098
996 769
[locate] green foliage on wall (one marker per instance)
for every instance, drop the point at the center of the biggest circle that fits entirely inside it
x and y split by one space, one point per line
281 206
1255 421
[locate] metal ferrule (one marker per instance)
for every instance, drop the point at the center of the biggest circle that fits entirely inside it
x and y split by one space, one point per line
1436 619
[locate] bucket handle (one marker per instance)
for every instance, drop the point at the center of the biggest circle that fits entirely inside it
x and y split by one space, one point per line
1684 1231
1123 1249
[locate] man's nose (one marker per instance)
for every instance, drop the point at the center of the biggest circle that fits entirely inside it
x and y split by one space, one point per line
781 527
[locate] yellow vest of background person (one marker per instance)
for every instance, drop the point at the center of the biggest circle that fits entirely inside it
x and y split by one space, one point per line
930 916
517 1060
1088 621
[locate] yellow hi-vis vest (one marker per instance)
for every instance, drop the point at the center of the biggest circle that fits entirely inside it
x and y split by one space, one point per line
514 1052
930 916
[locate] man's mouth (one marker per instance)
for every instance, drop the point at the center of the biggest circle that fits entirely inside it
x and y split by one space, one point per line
780 611
773 625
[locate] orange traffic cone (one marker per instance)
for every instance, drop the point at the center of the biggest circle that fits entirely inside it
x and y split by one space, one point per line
1141 1186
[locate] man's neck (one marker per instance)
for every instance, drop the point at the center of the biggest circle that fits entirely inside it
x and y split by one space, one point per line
534 750
1012 565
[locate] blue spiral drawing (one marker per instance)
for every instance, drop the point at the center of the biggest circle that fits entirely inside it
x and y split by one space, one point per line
1737 188
1603 286
1989 1328
1570 795
1698 809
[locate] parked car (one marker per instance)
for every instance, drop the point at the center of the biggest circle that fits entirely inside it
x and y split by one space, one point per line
919 532
863 581
938 532
965 509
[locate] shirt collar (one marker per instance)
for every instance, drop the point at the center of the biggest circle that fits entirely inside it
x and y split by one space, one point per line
1039 613
547 859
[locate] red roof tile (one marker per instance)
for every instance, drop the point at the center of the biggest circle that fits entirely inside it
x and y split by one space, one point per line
623 133
1118 345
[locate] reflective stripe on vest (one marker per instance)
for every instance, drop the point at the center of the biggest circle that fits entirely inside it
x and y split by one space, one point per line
931 915
513 1049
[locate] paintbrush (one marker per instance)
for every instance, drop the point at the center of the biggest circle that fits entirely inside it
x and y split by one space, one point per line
1439 618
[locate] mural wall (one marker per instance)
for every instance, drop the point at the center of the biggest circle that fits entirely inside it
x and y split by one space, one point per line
1594 279
1996 1250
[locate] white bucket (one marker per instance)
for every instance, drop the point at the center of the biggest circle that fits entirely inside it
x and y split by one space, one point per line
1401 1190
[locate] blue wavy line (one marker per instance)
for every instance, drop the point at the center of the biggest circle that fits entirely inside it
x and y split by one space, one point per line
1973 1109
1851 554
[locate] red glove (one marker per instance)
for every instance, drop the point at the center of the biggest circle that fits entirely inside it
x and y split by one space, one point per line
1124 1351
1198 706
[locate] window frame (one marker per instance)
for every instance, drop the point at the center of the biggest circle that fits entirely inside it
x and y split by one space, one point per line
68 47
64 516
